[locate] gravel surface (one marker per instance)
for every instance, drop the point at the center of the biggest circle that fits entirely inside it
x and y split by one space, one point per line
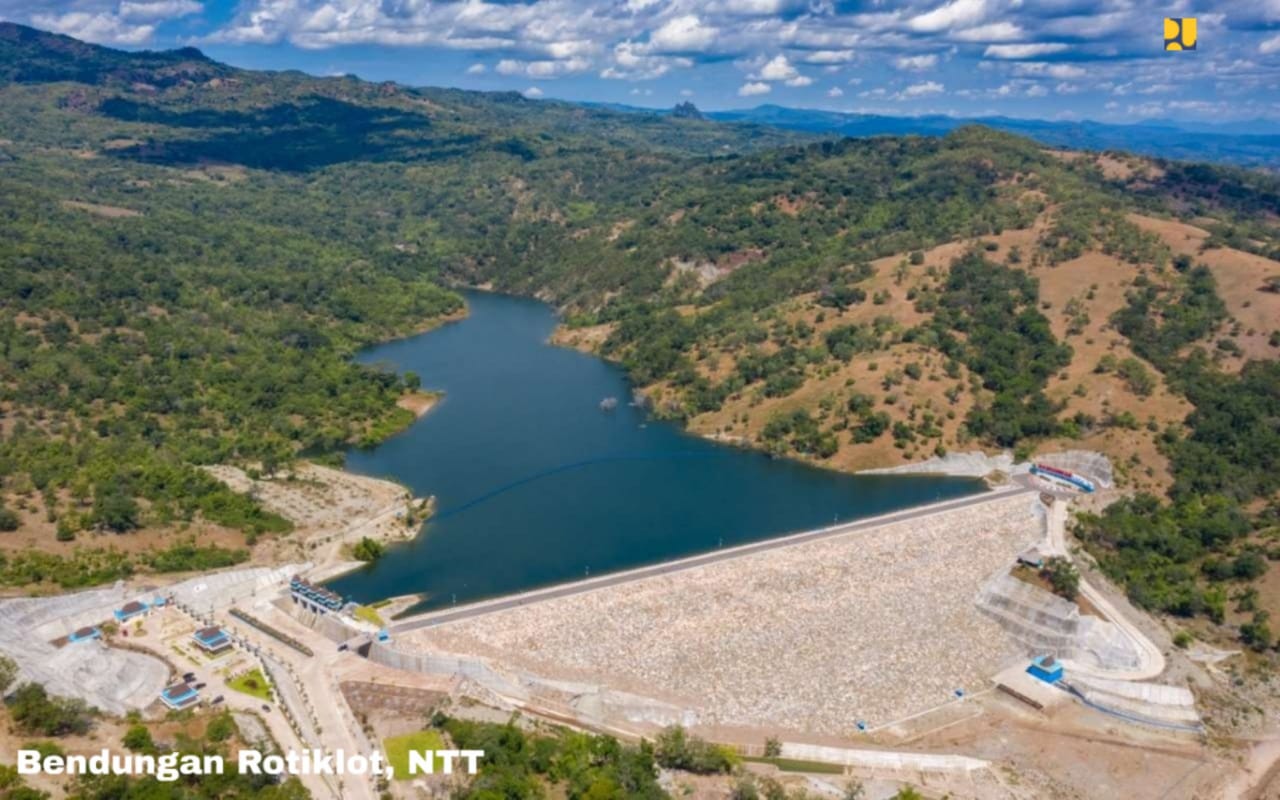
814 637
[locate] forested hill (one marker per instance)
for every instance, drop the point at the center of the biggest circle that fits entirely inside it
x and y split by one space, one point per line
189 253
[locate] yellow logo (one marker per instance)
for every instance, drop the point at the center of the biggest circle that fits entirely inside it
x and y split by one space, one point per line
1179 33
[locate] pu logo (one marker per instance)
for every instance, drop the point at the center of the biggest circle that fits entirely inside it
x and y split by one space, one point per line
1179 33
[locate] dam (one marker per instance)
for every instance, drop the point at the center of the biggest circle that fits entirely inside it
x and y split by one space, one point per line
537 485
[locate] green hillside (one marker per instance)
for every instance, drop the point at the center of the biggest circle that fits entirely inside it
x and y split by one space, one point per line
190 253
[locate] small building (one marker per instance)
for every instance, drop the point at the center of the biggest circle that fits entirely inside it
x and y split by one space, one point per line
1032 557
180 696
134 608
84 634
1046 668
212 640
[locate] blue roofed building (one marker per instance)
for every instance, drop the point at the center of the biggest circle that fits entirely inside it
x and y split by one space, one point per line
87 633
133 608
180 696
212 640
1046 668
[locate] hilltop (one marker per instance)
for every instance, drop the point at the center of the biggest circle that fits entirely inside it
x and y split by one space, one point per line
192 252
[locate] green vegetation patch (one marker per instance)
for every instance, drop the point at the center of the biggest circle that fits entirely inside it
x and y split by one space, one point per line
369 614
252 683
397 749
798 765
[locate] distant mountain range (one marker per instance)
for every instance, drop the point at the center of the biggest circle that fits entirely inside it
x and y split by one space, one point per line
1253 143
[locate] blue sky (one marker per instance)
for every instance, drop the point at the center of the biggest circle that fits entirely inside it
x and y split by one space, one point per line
1049 59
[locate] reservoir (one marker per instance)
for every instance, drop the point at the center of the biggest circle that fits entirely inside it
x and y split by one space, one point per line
536 484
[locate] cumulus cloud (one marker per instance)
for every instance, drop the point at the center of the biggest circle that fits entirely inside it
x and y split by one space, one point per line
158 10
1013 51
533 92
989 43
991 32
632 61
955 14
755 7
477 69
1060 71
542 70
917 90
102 27
835 91
828 57
777 68
754 88
683 34
916 63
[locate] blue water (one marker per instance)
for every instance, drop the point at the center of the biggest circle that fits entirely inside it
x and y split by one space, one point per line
536 485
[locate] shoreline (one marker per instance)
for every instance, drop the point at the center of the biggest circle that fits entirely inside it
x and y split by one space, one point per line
331 510
975 464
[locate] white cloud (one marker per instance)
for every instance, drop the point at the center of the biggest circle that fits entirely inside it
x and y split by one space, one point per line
477 69
755 7
777 68
542 70
1060 71
533 92
632 62
920 90
951 15
800 81
1270 46
102 28
158 10
835 91
684 34
992 32
828 57
1014 51
686 93
916 63
754 88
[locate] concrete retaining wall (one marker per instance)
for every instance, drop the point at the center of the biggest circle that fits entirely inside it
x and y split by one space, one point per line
879 759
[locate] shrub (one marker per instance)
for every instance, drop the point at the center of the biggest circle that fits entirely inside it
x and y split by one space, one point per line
1063 576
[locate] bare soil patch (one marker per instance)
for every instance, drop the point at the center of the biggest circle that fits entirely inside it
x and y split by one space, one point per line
110 212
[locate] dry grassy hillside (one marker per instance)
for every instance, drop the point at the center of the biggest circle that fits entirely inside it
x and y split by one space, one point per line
1126 395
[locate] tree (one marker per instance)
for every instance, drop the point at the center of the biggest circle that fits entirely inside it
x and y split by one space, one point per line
114 508
138 739
674 748
853 790
1063 576
772 747
8 519
8 673
35 711
1257 632
221 728
368 550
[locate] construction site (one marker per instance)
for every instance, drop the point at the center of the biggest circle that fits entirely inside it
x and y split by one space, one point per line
907 649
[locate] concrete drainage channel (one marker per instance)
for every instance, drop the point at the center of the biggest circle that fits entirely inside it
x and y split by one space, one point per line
1084 696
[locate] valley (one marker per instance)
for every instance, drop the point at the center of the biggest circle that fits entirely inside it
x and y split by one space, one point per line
296 355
